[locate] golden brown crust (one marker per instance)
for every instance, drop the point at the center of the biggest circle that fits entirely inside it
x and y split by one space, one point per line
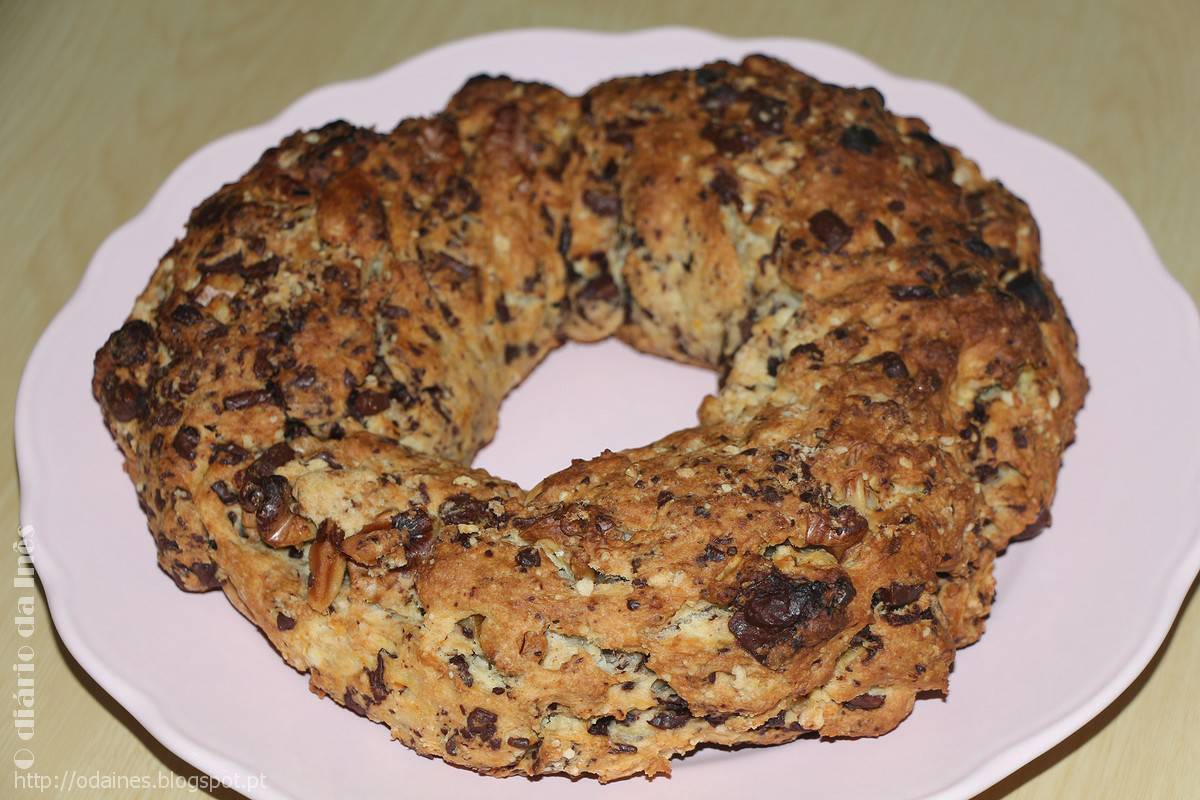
300 386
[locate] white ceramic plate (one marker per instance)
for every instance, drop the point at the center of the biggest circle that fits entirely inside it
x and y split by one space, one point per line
1080 611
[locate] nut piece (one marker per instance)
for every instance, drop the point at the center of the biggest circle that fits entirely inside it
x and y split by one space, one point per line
377 544
292 530
326 566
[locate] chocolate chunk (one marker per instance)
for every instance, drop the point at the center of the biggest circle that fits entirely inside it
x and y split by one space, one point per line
1035 528
728 139
767 112
519 742
463 509
417 528
185 442
1028 289
670 715
283 622
271 459
482 723
602 288
892 364
906 293
775 609
365 403
599 726
126 401
502 312
978 247
859 139
350 700
377 680
459 662
865 702
725 187
229 265
274 502
249 398
205 573
886 237
1019 438
228 454
130 345
602 204
529 557
830 229
224 493
897 595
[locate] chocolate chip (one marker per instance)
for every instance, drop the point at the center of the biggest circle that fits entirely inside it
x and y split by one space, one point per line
283 622
186 440
519 742
830 229
859 139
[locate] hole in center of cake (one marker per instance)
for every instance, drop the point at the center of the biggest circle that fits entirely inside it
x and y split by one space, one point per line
585 398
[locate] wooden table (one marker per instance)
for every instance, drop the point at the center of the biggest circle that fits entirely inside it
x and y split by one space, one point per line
99 102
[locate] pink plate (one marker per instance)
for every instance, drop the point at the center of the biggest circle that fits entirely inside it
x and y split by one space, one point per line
1080 611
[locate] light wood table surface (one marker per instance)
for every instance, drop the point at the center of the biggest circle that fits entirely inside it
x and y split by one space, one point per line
100 101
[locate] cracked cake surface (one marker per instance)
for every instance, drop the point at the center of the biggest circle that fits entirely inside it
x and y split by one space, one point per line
300 389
